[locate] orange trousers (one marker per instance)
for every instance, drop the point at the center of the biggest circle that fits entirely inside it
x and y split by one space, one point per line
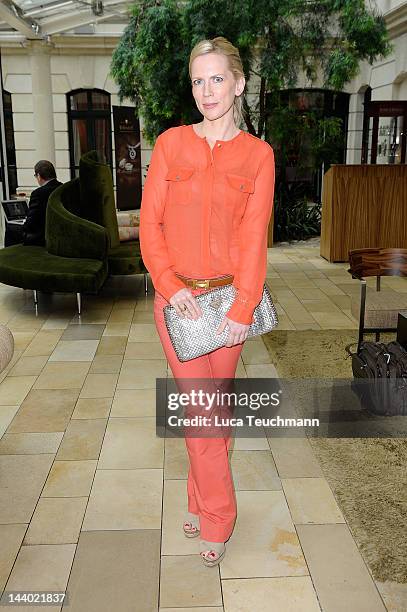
210 487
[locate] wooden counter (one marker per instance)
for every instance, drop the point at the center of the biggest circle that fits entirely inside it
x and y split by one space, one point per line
363 206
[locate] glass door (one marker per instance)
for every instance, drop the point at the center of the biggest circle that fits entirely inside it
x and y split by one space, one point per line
89 125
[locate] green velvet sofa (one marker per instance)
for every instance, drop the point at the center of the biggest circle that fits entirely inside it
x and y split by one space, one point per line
74 258
82 240
98 206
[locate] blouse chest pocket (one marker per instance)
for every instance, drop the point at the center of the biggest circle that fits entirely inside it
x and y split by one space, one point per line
239 189
180 184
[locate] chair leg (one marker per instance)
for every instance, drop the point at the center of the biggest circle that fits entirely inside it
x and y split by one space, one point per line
362 311
35 296
146 282
78 299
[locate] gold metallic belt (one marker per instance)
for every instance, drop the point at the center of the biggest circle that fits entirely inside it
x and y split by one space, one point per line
206 283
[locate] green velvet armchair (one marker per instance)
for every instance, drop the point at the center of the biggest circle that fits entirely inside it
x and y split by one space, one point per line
74 259
98 205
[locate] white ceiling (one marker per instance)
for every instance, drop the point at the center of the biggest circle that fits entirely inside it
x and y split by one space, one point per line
41 19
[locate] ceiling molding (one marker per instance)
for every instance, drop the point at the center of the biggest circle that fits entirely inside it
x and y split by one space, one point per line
92 44
396 20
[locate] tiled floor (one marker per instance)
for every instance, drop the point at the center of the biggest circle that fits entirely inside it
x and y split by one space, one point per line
92 502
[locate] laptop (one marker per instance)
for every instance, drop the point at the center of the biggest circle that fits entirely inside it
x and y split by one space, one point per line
15 211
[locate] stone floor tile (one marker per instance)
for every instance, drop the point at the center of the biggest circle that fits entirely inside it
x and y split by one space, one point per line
112 345
56 520
83 332
7 414
97 316
54 322
117 329
74 350
321 306
106 364
254 471
99 385
29 366
22 478
11 537
82 440
123 315
337 320
131 443
261 370
249 444
294 458
41 568
30 443
339 574
202 588
285 594
70 479
43 342
14 389
63 375
311 501
131 562
394 595
176 459
23 339
45 410
144 350
264 542
134 403
143 332
92 408
141 374
143 316
125 499
255 352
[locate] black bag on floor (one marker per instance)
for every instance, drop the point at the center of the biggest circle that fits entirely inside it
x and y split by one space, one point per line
384 368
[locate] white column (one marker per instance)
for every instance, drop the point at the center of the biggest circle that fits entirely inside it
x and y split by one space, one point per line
42 102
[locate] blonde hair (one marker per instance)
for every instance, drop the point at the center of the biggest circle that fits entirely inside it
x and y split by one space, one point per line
222 46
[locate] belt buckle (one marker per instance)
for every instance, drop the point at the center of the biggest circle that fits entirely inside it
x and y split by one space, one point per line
201 284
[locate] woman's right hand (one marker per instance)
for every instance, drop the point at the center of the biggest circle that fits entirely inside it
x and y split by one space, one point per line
185 304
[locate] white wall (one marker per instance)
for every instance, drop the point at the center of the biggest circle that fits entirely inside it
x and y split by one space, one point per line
68 72
388 79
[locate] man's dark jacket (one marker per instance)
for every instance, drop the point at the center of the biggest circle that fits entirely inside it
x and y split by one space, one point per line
34 226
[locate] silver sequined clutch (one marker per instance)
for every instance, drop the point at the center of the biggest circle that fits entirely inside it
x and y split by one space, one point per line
193 338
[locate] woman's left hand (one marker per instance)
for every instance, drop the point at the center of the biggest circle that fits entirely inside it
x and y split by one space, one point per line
237 331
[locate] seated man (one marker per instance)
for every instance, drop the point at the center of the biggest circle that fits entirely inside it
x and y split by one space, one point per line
33 230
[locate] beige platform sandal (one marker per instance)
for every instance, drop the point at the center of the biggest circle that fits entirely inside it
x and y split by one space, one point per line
212 553
191 526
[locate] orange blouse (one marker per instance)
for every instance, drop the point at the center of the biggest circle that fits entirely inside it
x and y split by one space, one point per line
205 213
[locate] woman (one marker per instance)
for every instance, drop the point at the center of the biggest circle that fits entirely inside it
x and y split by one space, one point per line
205 211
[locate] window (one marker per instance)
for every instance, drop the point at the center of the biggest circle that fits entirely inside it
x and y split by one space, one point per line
384 132
299 118
89 124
